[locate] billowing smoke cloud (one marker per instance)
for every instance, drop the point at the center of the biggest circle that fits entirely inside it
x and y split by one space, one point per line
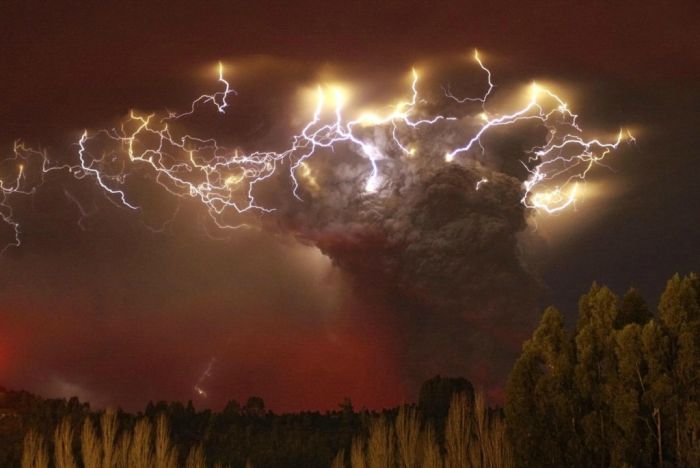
429 245
440 254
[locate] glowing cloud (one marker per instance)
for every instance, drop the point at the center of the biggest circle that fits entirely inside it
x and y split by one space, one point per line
224 180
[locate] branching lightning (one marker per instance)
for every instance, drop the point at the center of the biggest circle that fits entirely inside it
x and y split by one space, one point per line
224 180
14 182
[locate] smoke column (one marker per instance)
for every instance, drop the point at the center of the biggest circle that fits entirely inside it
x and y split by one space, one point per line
418 202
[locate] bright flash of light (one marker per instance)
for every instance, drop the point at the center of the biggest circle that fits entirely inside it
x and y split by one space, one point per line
198 388
308 176
225 180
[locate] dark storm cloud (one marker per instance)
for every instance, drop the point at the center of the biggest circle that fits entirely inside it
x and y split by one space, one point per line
447 256
441 255
435 259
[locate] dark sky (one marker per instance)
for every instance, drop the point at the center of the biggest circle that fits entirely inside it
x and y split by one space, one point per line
121 315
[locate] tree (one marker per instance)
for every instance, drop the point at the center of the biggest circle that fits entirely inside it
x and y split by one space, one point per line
141 448
90 445
165 453
255 406
658 384
632 416
63 445
109 426
540 410
679 313
196 458
407 427
380 446
633 310
436 394
458 432
34 453
595 371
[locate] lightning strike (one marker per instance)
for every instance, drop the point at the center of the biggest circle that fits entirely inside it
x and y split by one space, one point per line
198 388
225 181
14 182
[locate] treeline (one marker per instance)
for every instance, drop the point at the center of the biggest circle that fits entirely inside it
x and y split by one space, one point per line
473 436
235 435
108 446
621 389
66 433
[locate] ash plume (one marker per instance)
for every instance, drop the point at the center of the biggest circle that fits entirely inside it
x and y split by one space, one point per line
420 204
439 254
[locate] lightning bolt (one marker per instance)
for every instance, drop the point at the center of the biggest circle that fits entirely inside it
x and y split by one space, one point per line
206 374
224 180
15 182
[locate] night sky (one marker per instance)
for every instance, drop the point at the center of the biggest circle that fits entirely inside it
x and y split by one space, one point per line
121 315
